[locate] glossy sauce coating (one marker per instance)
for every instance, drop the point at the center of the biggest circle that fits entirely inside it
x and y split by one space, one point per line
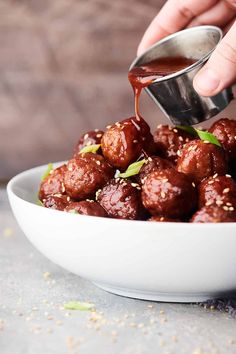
143 75
86 207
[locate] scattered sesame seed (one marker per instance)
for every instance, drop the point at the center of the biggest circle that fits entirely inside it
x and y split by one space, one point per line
47 275
175 130
211 182
98 162
193 184
208 203
134 184
63 189
231 208
181 138
215 175
68 198
219 202
163 194
226 190
206 141
86 136
99 135
96 130
227 175
135 141
225 208
229 204
179 153
165 180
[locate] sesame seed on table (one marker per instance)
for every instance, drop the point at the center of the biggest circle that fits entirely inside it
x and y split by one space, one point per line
32 314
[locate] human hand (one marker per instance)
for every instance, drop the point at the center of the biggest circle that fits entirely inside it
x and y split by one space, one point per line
220 70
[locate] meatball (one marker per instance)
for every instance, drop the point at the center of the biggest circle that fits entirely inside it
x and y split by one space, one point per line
220 190
169 193
124 141
86 174
170 140
57 201
225 131
200 159
86 207
92 137
122 200
53 183
163 219
214 213
154 163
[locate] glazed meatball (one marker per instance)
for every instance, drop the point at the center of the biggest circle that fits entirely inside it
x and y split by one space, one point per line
200 159
86 207
170 140
57 201
225 131
124 141
154 163
169 193
90 138
122 200
86 174
220 190
214 213
53 183
163 219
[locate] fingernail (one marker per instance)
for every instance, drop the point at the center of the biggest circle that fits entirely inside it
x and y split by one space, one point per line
206 81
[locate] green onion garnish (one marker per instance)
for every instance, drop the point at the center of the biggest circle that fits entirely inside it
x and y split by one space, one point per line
47 172
203 135
132 170
77 305
90 148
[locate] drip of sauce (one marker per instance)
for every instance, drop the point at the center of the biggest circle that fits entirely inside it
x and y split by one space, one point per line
142 76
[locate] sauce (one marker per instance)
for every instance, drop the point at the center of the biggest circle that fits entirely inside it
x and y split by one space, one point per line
142 76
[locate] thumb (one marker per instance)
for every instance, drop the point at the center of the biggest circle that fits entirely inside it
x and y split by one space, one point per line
220 70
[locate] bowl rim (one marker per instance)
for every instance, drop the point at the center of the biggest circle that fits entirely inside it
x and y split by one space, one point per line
20 176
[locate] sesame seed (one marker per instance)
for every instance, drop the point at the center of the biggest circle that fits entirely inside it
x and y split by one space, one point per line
63 187
225 208
159 126
215 175
96 130
149 159
86 136
193 184
187 140
229 204
143 138
163 194
210 182
206 141
208 203
108 126
175 130
181 138
70 168
98 135
229 176
134 184
58 195
98 162
219 202
226 190
97 194
117 124
135 141
165 180
179 153
231 208
235 137
161 218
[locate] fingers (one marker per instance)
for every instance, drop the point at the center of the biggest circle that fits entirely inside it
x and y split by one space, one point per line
220 70
174 15
219 15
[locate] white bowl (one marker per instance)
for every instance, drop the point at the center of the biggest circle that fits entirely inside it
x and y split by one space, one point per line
177 262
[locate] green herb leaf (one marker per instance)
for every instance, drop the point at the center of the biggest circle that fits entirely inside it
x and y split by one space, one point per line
90 148
203 135
39 203
47 172
77 305
133 169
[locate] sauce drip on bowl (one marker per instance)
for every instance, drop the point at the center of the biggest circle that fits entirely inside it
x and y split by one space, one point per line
142 76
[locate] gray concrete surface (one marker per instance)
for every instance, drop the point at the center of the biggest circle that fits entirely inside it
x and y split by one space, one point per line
33 321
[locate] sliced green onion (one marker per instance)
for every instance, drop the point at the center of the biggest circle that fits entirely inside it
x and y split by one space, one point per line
77 305
47 172
203 135
39 203
90 148
133 169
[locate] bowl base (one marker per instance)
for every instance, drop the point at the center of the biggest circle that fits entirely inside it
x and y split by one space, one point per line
156 296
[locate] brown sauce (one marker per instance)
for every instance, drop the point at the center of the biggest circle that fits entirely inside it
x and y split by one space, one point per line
142 76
